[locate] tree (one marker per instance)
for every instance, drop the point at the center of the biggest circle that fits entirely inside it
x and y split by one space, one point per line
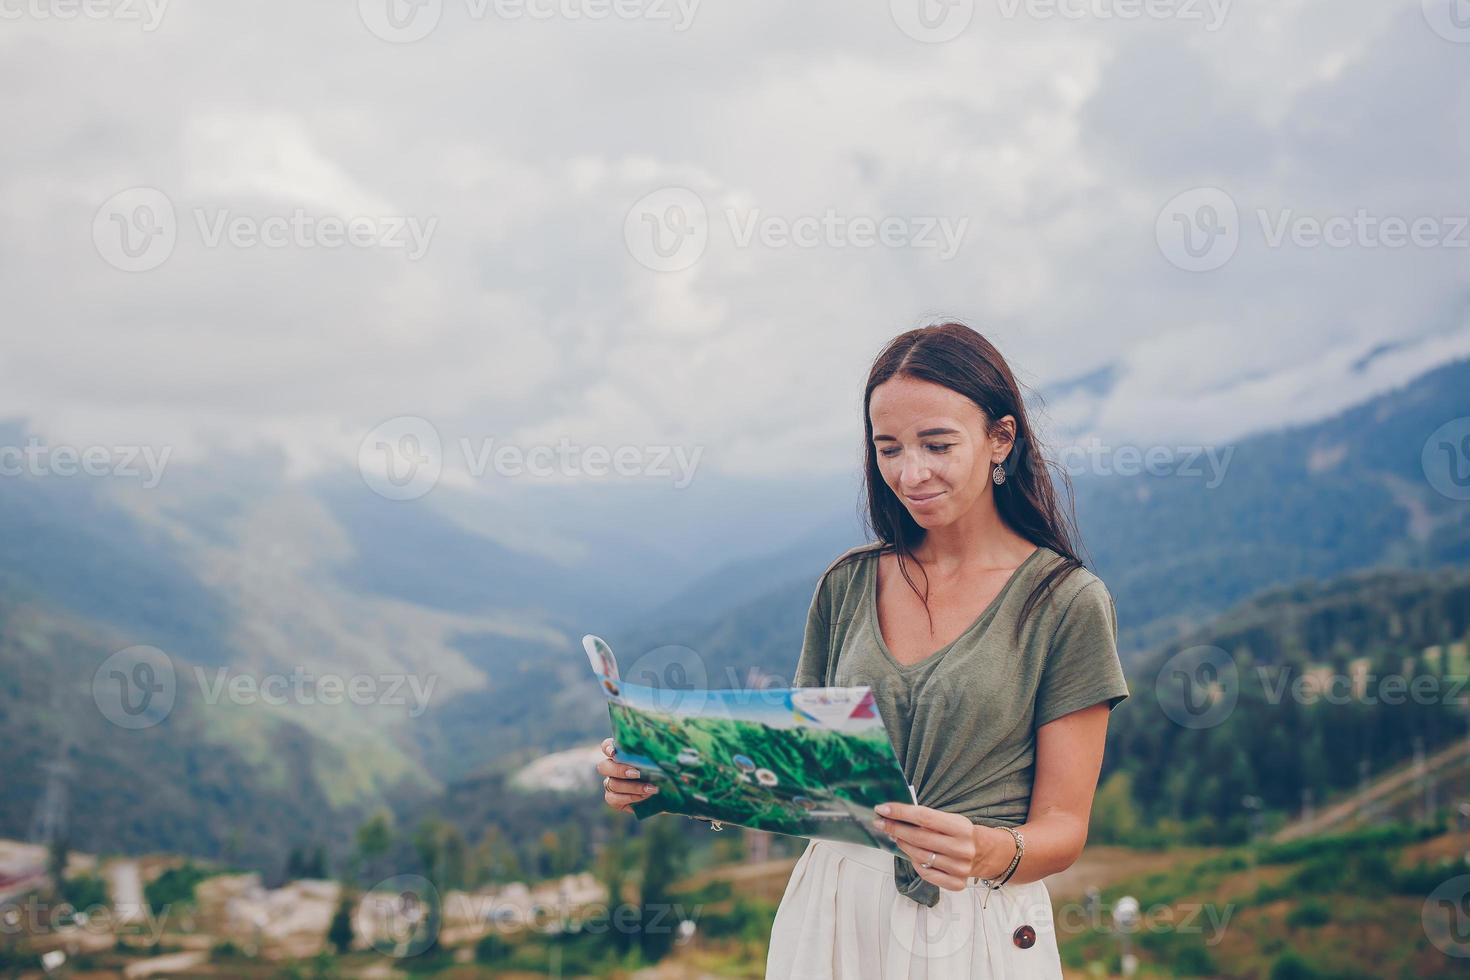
56 859
428 841
455 859
374 838
568 854
339 933
664 853
612 871
316 865
1114 817
294 863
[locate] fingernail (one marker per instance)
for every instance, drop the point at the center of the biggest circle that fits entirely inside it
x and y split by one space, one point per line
883 809
632 773
649 789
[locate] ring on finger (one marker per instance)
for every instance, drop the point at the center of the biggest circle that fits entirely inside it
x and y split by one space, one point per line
930 863
607 784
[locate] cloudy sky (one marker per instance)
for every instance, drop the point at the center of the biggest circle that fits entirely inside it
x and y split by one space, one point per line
670 222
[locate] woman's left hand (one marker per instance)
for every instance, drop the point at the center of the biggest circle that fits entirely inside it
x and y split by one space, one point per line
960 849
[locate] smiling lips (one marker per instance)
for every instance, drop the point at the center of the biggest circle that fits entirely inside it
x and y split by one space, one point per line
921 500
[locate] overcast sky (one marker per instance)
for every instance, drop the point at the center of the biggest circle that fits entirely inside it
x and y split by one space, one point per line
551 210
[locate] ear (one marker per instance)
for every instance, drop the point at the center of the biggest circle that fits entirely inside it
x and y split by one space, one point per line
1003 434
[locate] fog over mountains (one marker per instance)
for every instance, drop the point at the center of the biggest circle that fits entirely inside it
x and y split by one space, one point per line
239 571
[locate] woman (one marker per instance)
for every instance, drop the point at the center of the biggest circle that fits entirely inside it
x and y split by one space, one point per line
994 681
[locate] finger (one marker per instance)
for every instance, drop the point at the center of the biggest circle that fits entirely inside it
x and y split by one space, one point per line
929 840
629 787
921 816
622 801
943 870
621 770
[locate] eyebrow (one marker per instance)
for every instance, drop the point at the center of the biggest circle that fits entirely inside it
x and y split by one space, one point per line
922 435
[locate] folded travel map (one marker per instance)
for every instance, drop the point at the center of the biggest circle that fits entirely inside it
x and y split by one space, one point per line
805 761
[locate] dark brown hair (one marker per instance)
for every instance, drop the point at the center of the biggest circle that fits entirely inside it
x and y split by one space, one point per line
959 358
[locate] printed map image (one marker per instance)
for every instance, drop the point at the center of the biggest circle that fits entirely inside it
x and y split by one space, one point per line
808 762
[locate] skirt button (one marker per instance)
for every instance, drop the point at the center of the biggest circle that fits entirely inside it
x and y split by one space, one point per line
1024 937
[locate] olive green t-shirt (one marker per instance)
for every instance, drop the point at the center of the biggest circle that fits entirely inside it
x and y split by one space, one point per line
963 720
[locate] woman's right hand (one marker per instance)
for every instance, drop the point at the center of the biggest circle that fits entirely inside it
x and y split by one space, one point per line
620 784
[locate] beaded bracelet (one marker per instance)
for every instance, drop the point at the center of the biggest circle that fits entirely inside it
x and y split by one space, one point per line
992 885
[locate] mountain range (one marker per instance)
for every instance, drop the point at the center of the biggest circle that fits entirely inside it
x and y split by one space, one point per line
235 570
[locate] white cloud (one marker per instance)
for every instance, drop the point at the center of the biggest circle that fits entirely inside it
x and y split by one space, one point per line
528 320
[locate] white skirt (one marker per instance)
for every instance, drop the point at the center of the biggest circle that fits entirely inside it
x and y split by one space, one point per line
842 918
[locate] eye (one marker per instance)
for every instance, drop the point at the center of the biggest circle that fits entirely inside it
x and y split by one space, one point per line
891 451
938 447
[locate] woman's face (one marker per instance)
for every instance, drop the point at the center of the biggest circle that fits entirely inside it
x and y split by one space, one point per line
933 448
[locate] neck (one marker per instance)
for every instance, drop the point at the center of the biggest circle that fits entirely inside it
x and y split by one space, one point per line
979 538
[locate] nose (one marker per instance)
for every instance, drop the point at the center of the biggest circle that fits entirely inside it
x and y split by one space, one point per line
915 472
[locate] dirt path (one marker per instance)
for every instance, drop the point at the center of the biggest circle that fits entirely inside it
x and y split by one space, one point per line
1395 781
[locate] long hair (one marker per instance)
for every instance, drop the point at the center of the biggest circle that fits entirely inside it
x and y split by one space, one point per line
957 357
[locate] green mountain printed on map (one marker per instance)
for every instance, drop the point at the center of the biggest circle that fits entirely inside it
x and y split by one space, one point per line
808 762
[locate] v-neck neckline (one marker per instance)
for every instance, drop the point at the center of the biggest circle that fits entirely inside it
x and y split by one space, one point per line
872 599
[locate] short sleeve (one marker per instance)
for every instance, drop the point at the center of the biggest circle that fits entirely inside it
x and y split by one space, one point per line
811 666
1082 667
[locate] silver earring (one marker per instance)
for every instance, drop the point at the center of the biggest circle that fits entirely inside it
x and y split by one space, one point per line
998 474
